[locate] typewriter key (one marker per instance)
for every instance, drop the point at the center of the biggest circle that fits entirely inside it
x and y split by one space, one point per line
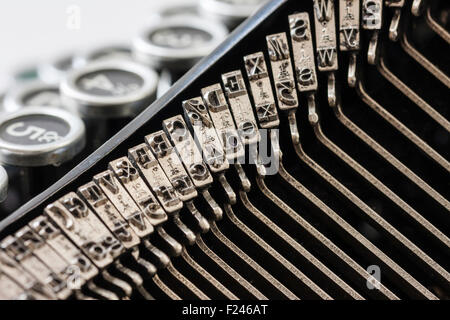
32 93
177 43
3 184
109 89
34 140
107 94
36 137
230 12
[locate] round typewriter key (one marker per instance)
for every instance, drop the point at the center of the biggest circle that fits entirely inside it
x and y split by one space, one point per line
177 43
3 184
108 94
114 88
39 136
32 93
230 12
55 71
38 146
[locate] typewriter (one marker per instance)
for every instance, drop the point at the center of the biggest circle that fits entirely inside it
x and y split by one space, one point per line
306 157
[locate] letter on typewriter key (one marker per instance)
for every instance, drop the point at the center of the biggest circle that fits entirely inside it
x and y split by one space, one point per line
261 89
85 229
241 107
197 115
145 161
65 248
136 187
188 151
372 14
101 205
349 25
282 71
162 148
123 202
325 28
223 121
302 47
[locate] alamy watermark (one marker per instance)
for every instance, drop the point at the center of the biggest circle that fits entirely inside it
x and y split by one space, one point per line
265 154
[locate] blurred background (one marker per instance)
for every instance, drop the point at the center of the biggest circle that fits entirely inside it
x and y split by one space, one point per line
87 68
34 32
